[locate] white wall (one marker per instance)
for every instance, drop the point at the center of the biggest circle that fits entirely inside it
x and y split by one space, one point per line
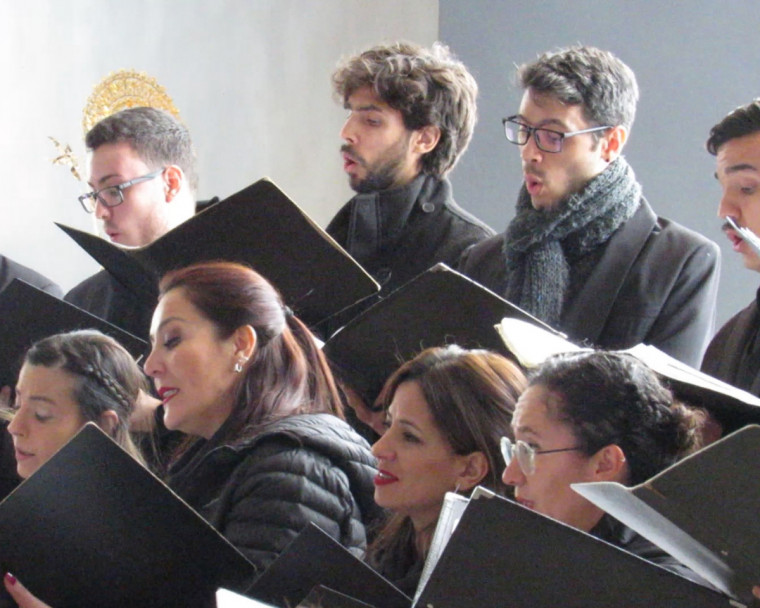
251 79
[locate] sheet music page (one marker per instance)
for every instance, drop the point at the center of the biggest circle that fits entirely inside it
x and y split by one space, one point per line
229 599
531 344
451 512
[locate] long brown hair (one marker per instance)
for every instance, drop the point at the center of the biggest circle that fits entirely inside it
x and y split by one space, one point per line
471 395
287 373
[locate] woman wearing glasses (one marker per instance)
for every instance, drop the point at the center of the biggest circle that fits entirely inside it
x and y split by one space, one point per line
446 410
595 416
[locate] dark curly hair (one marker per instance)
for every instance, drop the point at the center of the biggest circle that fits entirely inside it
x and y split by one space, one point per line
428 86
613 398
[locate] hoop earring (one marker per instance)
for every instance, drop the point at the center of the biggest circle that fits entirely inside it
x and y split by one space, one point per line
239 364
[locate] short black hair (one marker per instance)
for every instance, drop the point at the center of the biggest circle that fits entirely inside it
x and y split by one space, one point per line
158 138
742 121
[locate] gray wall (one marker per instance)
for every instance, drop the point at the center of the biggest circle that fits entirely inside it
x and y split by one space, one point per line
694 62
251 79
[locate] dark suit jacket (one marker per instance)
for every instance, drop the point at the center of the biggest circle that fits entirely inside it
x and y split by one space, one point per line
656 283
10 270
730 356
104 297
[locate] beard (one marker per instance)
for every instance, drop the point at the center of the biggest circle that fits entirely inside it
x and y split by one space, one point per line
382 174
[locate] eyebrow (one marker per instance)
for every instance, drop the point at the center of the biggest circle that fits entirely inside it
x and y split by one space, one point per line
527 430
405 422
161 325
543 123
42 398
105 178
370 107
737 168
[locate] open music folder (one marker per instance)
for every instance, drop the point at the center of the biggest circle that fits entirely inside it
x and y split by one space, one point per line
93 528
259 226
702 510
314 559
503 554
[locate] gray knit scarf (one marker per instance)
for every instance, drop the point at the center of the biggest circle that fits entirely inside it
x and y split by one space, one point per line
538 243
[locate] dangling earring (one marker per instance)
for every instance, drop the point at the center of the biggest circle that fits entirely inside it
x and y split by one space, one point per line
239 365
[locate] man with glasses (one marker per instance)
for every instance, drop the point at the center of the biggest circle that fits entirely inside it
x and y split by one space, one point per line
143 177
585 252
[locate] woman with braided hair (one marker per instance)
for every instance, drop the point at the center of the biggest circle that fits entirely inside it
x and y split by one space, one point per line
595 416
66 381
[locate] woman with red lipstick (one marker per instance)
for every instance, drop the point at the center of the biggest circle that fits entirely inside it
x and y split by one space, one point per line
269 451
446 410
595 416
66 381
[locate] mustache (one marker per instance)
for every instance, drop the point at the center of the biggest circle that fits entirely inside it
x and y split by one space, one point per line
534 172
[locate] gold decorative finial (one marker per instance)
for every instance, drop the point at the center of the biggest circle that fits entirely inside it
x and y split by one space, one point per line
66 158
121 90
118 91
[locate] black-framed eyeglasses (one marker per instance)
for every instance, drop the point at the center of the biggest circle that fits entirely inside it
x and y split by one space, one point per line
113 196
547 140
526 454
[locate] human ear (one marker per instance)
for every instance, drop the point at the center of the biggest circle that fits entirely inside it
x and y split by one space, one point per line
108 421
173 178
244 340
474 469
426 139
613 142
609 464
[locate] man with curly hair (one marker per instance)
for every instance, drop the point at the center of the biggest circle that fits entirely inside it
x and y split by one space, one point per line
411 113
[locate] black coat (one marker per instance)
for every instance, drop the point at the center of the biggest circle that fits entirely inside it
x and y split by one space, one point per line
733 354
104 297
262 492
397 234
10 270
611 530
656 283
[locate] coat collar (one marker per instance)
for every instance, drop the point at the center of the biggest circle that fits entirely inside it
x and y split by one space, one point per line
378 218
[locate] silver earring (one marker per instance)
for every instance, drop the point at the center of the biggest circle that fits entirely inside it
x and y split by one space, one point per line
238 367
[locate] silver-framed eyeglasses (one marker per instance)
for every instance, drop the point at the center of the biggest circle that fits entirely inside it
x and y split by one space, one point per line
547 140
113 196
526 454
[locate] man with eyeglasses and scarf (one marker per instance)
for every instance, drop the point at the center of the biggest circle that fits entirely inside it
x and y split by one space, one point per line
585 252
